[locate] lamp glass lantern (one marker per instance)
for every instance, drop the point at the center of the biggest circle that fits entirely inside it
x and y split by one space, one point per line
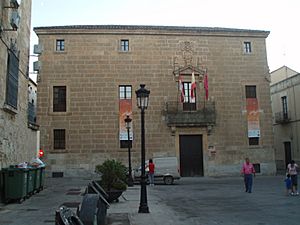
142 97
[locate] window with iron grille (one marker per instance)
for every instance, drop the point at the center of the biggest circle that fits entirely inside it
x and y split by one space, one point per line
59 138
12 80
189 103
124 45
60 45
284 107
250 91
247 47
124 143
59 99
253 140
125 91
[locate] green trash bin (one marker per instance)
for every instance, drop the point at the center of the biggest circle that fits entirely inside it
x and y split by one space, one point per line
42 178
30 181
37 177
15 184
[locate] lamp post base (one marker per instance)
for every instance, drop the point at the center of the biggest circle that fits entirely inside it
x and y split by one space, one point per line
130 182
143 209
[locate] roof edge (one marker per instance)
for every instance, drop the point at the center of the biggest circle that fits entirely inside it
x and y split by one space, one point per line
191 29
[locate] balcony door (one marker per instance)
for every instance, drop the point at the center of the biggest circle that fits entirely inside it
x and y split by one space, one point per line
189 103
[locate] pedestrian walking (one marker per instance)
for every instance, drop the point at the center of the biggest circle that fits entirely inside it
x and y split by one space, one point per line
292 171
151 167
288 185
248 171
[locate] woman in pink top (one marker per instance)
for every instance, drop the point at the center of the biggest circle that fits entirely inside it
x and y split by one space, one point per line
247 170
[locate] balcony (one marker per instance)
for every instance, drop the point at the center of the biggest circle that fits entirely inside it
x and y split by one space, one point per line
282 117
180 115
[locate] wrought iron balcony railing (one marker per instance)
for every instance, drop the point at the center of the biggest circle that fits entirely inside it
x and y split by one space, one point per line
282 117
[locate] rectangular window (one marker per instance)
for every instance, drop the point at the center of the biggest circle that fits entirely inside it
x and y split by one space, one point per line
59 99
284 107
254 141
247 47
251 91
60 45
59 138
12 80
125 92
124 45
189 103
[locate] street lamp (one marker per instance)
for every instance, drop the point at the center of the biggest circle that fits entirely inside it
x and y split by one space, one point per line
142 97
128 123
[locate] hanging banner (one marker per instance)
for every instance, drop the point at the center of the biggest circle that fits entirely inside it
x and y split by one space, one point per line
253 117
125 108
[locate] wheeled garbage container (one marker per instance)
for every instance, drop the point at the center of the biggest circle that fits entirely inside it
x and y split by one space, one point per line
42 177
30 181
15 184
37 179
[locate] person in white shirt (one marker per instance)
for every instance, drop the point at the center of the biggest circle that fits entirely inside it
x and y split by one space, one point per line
292 170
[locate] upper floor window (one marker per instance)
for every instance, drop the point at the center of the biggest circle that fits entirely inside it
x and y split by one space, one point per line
189 103
60 45
247 47
124 45
251 91
284 107
12 80
59 99
125 91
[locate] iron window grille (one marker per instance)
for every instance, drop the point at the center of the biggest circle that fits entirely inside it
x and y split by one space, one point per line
59 99
59 138
12 80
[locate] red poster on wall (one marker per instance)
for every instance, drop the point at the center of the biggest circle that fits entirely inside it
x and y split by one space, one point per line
125 108
253 117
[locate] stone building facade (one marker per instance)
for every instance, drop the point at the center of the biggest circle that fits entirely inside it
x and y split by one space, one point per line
285 92
87 83
17 135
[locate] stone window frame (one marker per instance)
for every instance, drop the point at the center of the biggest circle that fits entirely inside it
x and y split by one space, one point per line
64 147
124 143
12 77
122 47
247 47
260 139
52 85
60 45
60 103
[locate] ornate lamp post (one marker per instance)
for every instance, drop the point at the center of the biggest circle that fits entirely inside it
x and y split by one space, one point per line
128 124
142 97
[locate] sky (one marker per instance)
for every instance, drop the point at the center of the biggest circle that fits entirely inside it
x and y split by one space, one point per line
277 16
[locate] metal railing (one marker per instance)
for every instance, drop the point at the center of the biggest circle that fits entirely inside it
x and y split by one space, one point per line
282 117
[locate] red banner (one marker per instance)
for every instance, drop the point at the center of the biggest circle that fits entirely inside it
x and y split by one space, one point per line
253 117
125 108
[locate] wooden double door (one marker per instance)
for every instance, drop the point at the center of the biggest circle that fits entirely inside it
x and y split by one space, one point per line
191 155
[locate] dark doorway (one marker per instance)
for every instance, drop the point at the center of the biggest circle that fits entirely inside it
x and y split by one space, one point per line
191 155
288 152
